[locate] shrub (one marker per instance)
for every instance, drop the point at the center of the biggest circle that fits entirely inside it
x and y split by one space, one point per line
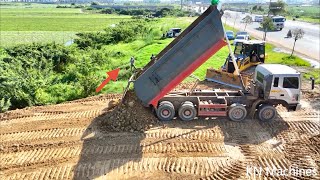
125 31
4 105
107 11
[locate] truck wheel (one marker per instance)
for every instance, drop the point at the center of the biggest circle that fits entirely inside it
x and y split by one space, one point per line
266 112
165 111
237 112
187 112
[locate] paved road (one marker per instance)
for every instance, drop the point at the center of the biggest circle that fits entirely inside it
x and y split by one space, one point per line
308 46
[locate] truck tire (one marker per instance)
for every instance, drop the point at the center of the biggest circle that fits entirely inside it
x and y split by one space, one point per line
266 113
237 112
165 111
187 111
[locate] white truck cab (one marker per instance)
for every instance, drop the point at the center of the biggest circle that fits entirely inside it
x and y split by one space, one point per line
278 22
279 83
258 18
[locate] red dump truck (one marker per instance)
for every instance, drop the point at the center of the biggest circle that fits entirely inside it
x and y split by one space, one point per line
195 45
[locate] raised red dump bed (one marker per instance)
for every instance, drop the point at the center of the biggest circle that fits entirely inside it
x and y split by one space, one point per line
195 45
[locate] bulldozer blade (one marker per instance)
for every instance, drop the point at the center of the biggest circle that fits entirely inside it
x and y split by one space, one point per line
227 79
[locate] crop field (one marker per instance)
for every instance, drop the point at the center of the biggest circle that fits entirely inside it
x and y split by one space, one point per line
23 24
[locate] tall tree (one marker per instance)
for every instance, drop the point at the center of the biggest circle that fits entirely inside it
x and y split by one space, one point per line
297 34
267 25
254 8
247 20
278 7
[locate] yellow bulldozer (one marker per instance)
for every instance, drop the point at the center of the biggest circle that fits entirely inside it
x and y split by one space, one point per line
247 54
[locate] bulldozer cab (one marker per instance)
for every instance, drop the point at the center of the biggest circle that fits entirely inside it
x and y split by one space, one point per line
247 54
252 50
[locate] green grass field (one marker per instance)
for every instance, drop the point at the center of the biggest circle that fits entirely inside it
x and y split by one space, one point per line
24 23
45 23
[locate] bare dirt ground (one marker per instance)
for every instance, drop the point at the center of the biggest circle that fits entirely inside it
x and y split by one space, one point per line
76 140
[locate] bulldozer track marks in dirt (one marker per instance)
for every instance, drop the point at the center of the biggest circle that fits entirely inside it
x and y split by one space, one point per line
44 134
66 142
186 134
52 116
306 127
194 167
104 97
43 155
234 170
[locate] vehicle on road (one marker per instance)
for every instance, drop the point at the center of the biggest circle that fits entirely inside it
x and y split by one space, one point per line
230 35
278 22
258 18
243 33
173 32
272 84
240 38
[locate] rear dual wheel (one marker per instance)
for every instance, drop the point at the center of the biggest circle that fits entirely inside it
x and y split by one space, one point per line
187 111
165 111
266 113
237 112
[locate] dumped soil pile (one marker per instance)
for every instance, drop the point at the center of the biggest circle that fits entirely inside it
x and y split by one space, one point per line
313 96
129 116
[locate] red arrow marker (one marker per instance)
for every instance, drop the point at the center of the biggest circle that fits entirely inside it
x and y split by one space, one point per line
112 75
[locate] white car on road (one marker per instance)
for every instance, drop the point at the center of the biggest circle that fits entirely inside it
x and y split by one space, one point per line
240 38
258 18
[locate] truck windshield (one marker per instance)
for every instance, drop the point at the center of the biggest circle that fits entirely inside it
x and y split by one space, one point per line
279 19
176 30
291 82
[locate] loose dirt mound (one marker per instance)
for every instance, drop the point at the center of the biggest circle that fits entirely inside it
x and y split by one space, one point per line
129 116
